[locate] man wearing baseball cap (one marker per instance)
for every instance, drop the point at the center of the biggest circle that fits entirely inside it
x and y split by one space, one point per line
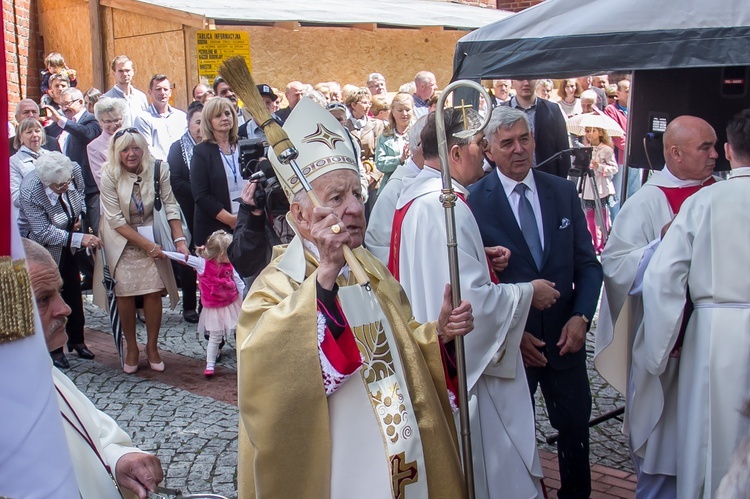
250 129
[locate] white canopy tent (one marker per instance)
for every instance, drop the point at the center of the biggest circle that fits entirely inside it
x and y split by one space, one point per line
394 13
562 38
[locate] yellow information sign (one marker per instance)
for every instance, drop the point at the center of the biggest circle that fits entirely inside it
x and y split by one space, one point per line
214 46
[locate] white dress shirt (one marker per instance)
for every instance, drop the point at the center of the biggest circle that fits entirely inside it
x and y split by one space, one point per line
532 194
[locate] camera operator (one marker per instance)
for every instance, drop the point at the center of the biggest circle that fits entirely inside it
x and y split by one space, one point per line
250 250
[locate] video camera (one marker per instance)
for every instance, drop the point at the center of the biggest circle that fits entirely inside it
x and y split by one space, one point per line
581 156
254 166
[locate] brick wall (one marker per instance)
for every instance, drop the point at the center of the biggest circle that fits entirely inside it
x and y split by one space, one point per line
479 3
24 52
516 5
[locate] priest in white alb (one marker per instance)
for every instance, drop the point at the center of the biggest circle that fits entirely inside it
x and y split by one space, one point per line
690 157
506 462
378 235
706 254
341 393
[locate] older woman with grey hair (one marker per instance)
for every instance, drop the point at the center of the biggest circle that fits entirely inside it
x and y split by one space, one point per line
52 200
29 139
108 113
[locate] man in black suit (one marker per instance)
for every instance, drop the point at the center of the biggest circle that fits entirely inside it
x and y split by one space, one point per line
538 217
547 127
73 132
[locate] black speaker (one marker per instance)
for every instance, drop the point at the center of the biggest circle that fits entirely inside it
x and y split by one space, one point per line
659 96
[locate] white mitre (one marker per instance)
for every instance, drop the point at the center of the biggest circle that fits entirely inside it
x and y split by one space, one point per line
321 141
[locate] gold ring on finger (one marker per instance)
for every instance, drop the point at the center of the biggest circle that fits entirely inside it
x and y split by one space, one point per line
335 228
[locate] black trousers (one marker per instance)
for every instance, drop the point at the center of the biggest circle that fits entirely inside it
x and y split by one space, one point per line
567 397
187 281
71 294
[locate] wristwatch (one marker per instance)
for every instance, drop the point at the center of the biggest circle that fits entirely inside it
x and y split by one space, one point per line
585 319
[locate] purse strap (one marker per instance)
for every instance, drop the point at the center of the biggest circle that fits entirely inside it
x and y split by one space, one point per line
157 185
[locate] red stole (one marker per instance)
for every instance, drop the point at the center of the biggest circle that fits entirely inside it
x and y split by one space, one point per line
398 222
677 195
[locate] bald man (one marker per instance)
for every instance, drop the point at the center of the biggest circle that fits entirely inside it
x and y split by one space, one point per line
293 93
425 84
134 470
690 154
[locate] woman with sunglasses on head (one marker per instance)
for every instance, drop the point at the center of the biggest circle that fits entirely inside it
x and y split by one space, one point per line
138 265
51 200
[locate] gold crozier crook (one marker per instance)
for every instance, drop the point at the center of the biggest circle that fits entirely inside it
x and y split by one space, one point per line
448 199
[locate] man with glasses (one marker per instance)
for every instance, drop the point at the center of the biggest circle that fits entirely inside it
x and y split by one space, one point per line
376 84
73 132
160 124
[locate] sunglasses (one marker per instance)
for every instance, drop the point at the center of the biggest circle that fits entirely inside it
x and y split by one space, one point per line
122 132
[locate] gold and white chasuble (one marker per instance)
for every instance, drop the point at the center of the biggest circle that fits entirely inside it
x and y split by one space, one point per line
386 431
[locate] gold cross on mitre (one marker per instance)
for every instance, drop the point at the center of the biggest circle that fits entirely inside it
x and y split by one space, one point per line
463 107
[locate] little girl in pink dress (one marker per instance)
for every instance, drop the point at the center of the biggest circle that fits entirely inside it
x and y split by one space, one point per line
221 293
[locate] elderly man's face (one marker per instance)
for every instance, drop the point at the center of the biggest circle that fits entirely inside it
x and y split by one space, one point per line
501 88
53 311
294 94
376 87
224 90
70 106
512 150
342 191
27 110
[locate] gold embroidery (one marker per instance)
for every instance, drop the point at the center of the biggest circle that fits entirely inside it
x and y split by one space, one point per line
402 474
392 413
17 317
324 136
373 345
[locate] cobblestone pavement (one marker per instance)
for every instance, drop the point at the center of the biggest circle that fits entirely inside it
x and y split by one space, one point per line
196 436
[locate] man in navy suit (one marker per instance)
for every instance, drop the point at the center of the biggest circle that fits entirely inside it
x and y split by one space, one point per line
548 127
538 217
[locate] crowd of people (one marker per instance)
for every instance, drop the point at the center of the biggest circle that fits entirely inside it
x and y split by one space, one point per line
123 183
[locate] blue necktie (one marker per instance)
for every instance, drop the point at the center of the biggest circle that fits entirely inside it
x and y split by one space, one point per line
528 224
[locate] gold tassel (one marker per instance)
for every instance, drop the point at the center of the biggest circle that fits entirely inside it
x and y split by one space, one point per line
16 303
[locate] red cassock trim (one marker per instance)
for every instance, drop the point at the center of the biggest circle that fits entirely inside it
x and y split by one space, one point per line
343 353
398 221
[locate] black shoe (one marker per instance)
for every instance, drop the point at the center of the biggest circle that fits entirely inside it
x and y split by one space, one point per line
191 317
59 360
82 350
